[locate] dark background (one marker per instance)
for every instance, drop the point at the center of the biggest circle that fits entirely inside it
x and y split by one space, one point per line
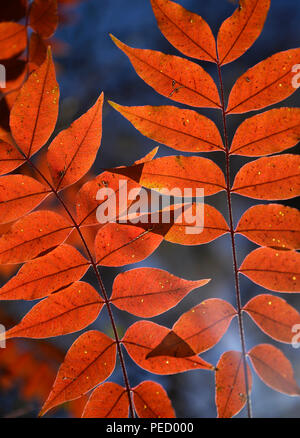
92 64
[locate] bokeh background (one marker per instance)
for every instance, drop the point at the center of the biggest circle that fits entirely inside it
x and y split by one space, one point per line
90 63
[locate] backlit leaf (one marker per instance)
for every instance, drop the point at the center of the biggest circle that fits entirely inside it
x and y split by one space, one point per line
107 401
266 83
274 316
173 77
18 195
186 31
272 269
231 393
267 133
151 401
242 29
274 369
147 292
90 360
12 39
10 158
34 114
180 129
271 225
143 336
269 178
73 151
43 17
44 275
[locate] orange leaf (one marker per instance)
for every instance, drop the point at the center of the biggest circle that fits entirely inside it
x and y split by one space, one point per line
180 172
143 336
37 49
18 195
107 401
34 114
43 17
231 393
12 39
186 31
272 269
173 77
10 158
90 360
147 157
200 329
274 369
147 292
180 129
151 401
269 178
44 275
274 316
241 30
73 151
266 83
267 133
67 311
33 234
271 225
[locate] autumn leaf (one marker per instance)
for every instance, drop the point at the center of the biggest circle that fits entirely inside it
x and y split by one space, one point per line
180 129
45 275
37 49
269 178
266 83
143 336
164 73
231 393
186 31
12 39
73 151
90 360
151 401
274 369
267 133
240 31
273 225
274 316
107 401
43 17
10 158
273 269
34 114
147 292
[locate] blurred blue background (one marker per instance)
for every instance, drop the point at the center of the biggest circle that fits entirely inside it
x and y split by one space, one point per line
93 64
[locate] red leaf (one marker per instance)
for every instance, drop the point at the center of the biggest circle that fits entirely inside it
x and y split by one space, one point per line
231 393
200 329
173 77
73 151
269 178
241 30
10 158
34 114
272 269
266 83
180 129
151 401
67 311
143 336
44 17
44 275
107 401
274 369
272 225
274 316
148 292
31 235
89 361
12 39
37 49
18 195
186 31
267 133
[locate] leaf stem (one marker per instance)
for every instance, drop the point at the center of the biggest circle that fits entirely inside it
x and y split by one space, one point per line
233 245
